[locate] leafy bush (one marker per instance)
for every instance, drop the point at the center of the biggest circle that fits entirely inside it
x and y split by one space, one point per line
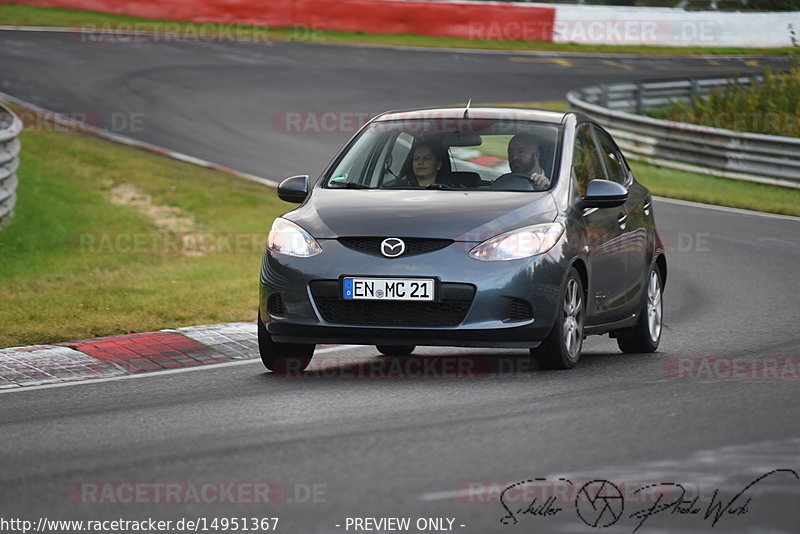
771 106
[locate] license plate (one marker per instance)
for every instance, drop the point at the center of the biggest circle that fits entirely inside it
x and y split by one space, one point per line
388 288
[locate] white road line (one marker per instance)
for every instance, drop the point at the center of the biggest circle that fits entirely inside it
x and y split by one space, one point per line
21 389
482 490
54 29
442 495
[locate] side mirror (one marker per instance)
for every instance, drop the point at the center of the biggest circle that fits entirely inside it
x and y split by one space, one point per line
604 194
294 189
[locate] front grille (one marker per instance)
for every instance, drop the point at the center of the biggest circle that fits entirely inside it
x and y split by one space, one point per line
414 245
450 310
275 306
519 310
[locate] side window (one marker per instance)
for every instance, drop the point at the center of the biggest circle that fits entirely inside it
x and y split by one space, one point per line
614 163
585 159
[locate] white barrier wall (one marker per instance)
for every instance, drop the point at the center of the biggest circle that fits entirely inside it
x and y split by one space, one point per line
671 27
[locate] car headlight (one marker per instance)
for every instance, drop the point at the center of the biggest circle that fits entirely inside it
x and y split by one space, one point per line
520 243
287 238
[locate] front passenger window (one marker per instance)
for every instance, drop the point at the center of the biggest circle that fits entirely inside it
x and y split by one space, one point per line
612 158
585 161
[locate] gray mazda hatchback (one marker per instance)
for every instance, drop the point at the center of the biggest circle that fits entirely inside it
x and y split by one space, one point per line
481 227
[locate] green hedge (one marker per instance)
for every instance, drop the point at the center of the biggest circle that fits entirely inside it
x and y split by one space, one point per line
769 107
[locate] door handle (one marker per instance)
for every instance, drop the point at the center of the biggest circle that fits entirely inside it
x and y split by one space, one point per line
622 219
646 207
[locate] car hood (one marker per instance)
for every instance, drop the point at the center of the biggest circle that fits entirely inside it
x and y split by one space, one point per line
459 215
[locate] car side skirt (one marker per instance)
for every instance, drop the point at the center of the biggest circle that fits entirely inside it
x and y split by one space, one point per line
596 329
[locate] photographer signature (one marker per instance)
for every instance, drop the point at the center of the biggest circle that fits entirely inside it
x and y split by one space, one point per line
600 503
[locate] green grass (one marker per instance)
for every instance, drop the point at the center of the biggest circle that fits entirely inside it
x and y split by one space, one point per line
52 290
24 15
720 191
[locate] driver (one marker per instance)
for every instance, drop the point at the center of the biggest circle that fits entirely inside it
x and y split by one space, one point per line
523 158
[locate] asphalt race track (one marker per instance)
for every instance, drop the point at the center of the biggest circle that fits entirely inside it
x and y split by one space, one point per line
351 447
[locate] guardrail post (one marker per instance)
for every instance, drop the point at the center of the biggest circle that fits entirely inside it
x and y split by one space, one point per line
694 88
639 97
604 95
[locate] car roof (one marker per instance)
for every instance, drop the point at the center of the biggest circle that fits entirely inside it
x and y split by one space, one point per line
521 114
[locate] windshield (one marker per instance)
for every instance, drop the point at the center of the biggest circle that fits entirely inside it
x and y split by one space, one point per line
478 154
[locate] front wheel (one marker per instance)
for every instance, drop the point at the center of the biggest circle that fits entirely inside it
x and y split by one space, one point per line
646 335
562 347
282 358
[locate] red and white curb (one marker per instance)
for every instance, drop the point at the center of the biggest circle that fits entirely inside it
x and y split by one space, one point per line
114 356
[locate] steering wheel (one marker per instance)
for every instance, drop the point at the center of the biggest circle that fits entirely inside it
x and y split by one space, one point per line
514 181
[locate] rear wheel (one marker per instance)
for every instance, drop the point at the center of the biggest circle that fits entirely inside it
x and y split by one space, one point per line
282 358
646 335
562 347
395 350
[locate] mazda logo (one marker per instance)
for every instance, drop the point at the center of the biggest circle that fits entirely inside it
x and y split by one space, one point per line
392 247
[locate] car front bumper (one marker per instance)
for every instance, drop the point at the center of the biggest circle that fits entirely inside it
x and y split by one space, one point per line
485 323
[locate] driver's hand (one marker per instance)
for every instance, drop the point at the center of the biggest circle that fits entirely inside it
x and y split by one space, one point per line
540 180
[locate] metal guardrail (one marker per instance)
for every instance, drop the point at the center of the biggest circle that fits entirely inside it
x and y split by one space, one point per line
10 128
716 151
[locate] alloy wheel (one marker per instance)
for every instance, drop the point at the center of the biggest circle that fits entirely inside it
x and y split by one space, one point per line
573 319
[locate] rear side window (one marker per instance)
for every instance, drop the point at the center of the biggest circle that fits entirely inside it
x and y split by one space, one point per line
611 158
586 164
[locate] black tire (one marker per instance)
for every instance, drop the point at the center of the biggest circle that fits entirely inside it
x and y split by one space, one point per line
646 335
560 350
282 358
395 350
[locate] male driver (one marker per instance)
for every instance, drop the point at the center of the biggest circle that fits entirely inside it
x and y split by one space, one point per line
523 158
